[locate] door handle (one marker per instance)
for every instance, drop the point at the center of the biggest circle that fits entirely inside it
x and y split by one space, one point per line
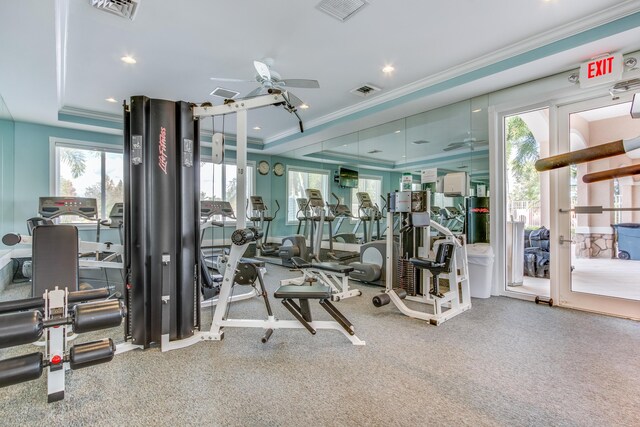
563 240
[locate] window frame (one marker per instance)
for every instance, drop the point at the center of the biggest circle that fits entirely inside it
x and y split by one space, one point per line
54 167
250 164
304 169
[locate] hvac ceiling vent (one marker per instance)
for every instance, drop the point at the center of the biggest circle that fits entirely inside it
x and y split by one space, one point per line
341 9
224 93
374 151
365 90
122 8
421 141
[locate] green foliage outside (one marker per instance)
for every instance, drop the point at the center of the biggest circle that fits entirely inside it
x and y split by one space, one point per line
522 152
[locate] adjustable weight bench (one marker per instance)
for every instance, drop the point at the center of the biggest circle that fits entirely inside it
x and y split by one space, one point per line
302 311
331 274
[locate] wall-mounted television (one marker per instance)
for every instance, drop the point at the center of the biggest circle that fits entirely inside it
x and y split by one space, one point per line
348 178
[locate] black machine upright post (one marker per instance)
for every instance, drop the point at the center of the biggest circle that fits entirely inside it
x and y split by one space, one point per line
162 185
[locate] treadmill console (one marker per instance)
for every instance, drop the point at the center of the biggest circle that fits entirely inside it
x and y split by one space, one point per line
257 203
53 207
315 198
209 208
364 200
116 216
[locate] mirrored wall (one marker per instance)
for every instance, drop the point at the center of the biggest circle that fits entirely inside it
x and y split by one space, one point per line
450 139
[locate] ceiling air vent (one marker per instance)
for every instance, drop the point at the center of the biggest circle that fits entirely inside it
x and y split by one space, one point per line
341 9
374 151
122 8
365 90
421 141
224 93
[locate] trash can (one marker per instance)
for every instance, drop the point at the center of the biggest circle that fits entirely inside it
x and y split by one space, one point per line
480 258
628 240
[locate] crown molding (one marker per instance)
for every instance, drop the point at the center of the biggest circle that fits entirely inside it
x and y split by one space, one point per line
90 114
601 18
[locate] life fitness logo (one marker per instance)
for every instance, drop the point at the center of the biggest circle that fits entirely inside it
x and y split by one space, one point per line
480 210
162 150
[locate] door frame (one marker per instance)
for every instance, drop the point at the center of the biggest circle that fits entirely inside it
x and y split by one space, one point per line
498 198
561 222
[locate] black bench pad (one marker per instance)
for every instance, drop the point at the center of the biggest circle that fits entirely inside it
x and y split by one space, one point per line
316 291
333 267
326 266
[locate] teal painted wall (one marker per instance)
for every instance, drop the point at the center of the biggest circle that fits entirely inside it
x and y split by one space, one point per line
278 185
7 162
32 175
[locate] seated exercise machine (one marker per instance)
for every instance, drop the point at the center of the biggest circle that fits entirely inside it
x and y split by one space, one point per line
414 272
260 216
161 151
288 293
55 314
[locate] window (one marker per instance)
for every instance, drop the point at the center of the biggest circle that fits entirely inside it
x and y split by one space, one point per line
298 180
88 170
218 182
369 184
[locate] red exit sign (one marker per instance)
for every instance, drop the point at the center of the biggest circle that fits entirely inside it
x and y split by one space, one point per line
604 69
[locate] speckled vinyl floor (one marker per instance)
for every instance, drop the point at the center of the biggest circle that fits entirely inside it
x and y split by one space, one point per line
505 363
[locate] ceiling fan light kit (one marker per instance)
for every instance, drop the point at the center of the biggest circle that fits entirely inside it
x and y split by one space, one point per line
269 80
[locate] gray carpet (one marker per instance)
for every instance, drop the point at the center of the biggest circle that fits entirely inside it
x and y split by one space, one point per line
505 362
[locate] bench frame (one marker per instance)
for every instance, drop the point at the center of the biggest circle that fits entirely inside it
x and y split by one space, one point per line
338 281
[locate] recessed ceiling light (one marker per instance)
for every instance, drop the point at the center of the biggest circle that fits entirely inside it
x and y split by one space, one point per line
388 69
403 156
128 59
397 131
257 128
304 106
111 99
477 110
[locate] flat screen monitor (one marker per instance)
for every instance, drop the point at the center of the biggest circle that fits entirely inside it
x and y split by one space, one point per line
348 177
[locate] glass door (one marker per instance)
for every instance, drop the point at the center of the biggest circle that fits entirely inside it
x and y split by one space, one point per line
596 234
527 195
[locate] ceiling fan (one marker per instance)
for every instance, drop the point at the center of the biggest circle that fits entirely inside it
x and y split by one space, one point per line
470 143
269 79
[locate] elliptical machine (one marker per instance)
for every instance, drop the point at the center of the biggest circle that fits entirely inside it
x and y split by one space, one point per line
368 213
341 212
296 245
260 216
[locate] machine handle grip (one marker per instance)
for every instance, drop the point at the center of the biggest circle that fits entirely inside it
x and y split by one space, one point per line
597 152
611 173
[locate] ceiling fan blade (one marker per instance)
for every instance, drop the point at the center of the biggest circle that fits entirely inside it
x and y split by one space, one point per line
220 79
254 92
294 100
262 69
301 83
